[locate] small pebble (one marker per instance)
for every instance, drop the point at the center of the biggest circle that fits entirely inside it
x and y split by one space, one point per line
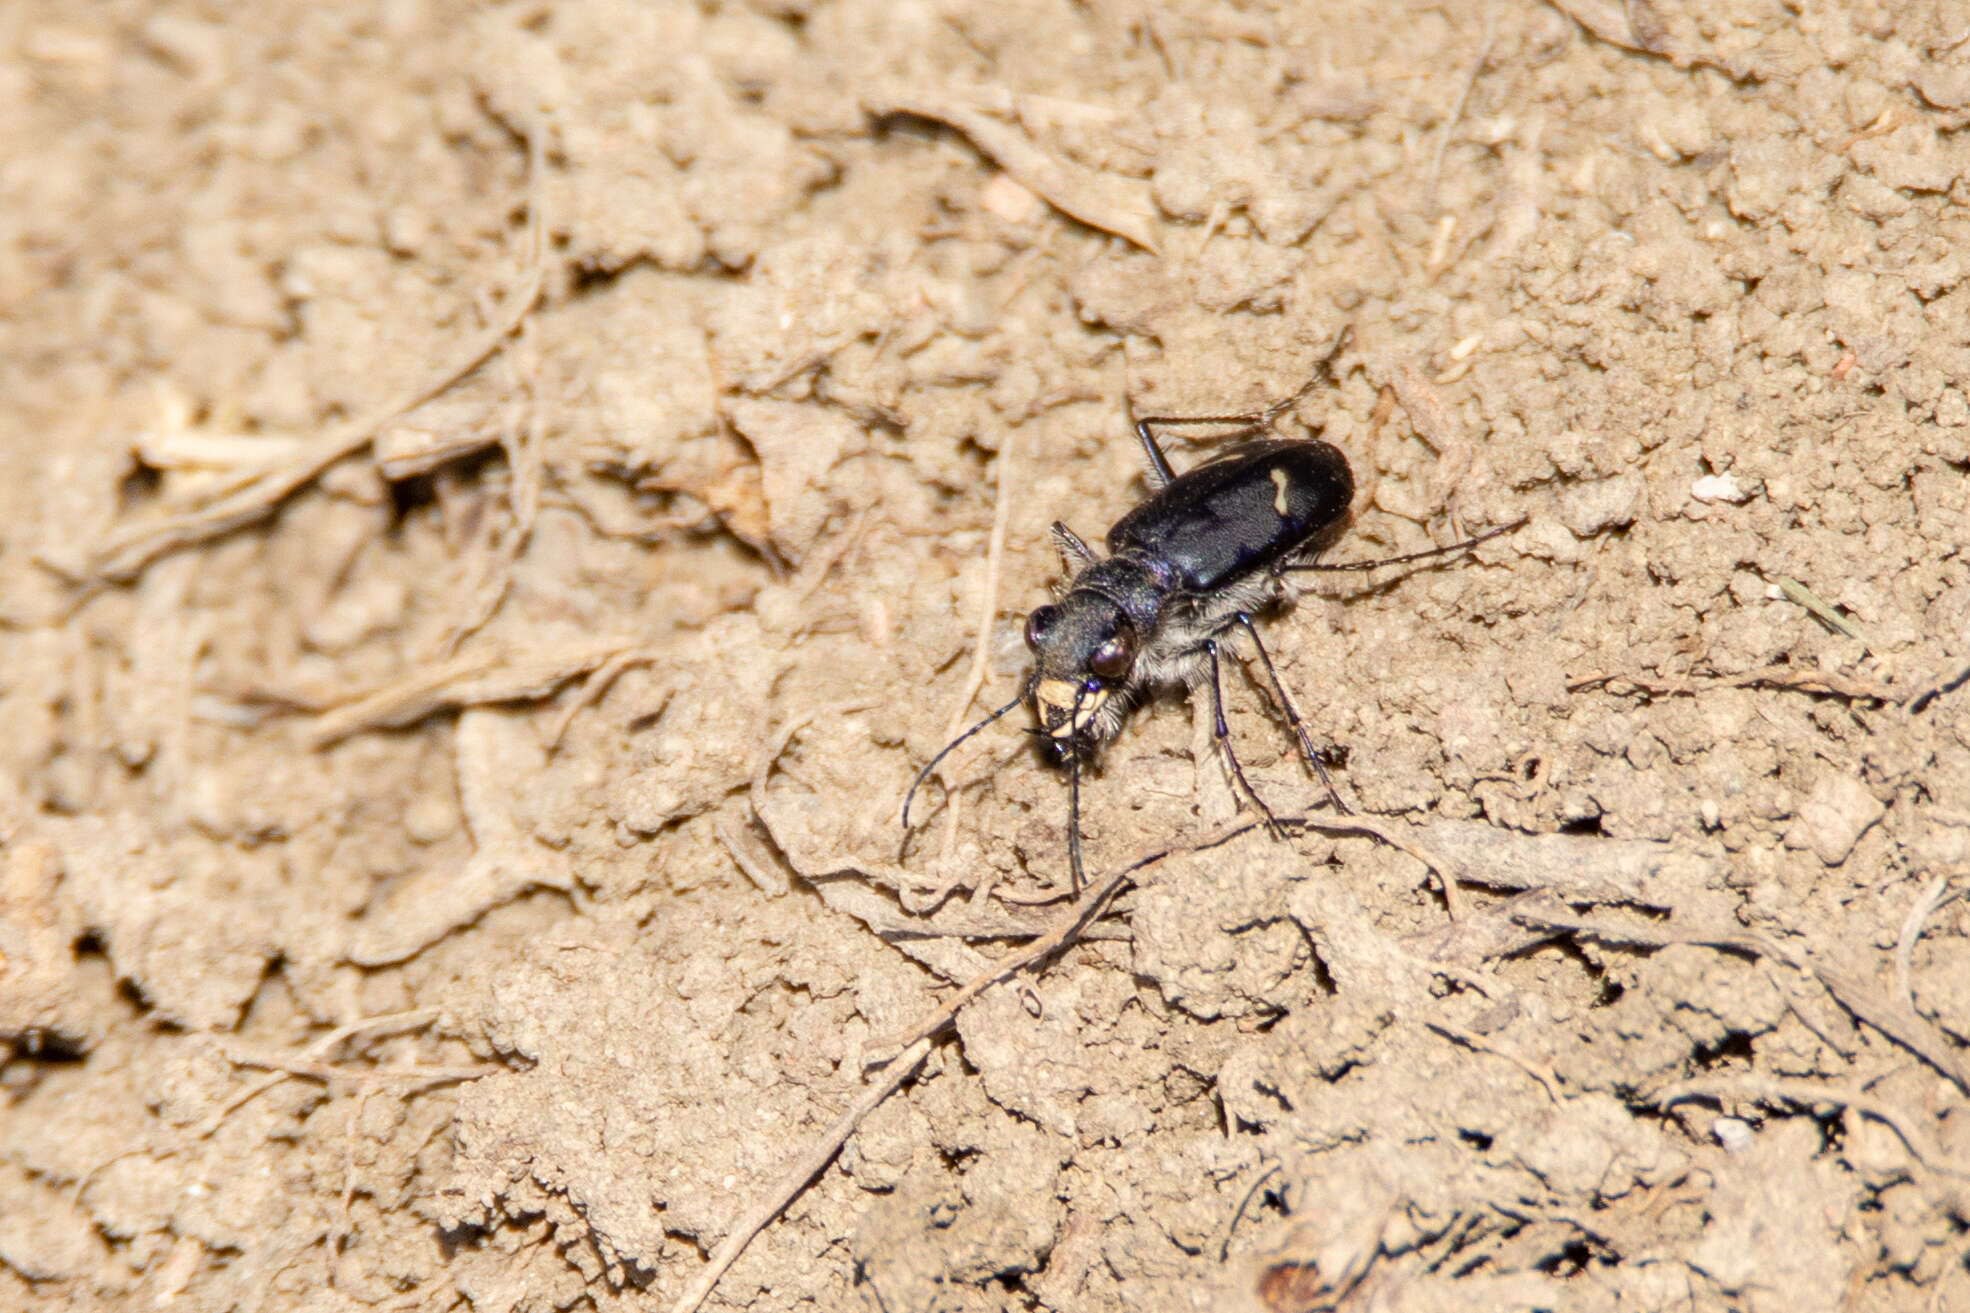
1732 1133
1833 819
1719 487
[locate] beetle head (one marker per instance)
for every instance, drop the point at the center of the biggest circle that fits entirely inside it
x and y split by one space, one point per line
1084 647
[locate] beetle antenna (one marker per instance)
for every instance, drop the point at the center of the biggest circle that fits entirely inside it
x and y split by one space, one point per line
946 751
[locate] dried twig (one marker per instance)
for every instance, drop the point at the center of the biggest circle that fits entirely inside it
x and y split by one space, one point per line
1231 1227
1100 201
593 689
1548 1079
132 547
981 654
1080 913
1399 837
470 679
1773 676
1932 897
753 862
1456 115
332 1249
810 1165
995 551
1807 1093
1437 424
314 1051
1898 1023
433 1074
1822 610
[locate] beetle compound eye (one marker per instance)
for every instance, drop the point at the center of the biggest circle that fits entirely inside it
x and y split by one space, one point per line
1037 625
1113 658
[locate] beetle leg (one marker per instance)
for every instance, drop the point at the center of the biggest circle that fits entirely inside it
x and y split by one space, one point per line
1159 464
1071 547
1285 701
1160 472
1431 554
1248 424
1223 733
1074 810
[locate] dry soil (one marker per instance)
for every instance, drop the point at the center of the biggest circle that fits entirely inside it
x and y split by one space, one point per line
498 501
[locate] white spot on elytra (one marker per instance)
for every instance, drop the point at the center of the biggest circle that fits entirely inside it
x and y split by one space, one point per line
1279 498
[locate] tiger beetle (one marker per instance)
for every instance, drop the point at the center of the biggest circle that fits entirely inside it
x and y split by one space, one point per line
1209 549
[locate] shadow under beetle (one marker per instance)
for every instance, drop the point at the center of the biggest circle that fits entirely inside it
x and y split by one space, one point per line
1208 549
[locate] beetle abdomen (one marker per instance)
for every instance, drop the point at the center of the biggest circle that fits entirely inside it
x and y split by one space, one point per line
1249 508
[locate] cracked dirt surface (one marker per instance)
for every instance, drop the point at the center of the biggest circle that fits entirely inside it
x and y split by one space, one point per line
499 502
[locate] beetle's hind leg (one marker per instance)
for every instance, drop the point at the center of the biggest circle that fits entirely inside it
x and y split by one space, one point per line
1306 566
1160 472
1249 423
1292 713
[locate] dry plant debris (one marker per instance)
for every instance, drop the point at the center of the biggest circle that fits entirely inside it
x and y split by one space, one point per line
498 503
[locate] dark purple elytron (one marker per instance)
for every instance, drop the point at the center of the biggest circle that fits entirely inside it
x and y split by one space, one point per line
1209 549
